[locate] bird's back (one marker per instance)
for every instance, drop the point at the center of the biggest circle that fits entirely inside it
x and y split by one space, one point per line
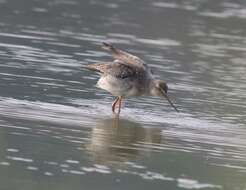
120 71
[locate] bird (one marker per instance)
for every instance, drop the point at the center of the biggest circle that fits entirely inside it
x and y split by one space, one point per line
127 76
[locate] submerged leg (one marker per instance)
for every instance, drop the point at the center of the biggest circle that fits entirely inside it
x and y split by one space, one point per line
115 121
114 104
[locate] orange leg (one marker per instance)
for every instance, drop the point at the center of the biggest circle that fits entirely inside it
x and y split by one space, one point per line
114 104
120 99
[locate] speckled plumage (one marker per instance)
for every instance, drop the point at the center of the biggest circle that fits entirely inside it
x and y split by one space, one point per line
121 79
127 76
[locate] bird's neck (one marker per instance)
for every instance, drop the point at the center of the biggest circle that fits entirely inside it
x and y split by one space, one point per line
151 87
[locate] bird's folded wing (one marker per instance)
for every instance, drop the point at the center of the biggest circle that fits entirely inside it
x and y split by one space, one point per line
124 57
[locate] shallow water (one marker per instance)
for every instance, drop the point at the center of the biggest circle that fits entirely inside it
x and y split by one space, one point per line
56 127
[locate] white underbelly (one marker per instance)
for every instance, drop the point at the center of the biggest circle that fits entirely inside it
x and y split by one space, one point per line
116 86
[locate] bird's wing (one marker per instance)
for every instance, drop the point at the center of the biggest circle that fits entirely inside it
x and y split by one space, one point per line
124 57
116 69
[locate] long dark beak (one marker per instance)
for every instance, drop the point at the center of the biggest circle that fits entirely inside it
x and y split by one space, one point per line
170 102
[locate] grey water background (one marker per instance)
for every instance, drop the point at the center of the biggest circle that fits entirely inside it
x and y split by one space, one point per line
56 127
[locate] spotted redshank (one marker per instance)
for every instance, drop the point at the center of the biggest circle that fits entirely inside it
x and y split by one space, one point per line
127 76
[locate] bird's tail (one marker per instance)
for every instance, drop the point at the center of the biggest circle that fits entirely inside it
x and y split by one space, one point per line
92 67
98 67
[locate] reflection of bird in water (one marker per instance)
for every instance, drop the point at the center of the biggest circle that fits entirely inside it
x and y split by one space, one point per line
114 140
127 76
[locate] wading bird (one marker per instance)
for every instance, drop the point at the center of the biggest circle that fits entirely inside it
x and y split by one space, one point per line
127 76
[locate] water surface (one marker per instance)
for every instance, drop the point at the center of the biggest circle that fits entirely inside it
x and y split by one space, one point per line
56 127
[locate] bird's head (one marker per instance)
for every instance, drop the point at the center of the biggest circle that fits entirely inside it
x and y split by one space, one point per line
159 88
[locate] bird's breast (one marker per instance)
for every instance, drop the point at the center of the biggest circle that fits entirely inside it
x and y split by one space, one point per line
116 86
